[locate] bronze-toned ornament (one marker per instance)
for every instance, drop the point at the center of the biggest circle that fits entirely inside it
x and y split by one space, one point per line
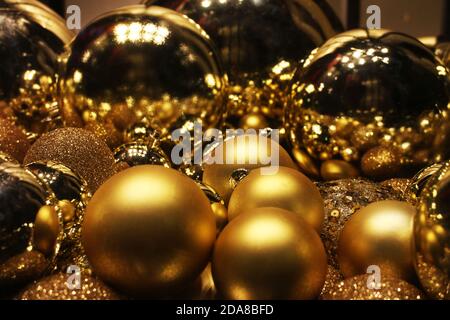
380 234
432 235
287 189
375 96
260 44
148 230
137 64
79 150
12 140
32 38
362 288
269 253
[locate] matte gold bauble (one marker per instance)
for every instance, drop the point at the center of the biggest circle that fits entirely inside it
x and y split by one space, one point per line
432 235
148 230
136 64
12 140
287 189
362 288
241 153
79 150
380 234
374 98
32 37
269 253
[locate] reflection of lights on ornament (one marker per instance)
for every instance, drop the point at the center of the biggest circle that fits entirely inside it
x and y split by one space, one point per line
206 3
77 76
138 32
279 67
210 80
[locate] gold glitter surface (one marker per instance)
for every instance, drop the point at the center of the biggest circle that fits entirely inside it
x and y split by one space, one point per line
23 268
79 150
399 185
106 132
333 278
55 287
342 198
357 288
381 162
12 140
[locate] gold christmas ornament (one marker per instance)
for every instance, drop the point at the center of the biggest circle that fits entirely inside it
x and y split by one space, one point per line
23 268
12 140
380 234
217 206
148 230
287 189
79 150
260 44
306 164
32 38
241 153
362 288
253 121
345 104
141 153
150 65
4 157
342 198
56 287
333 278
106 132
432 235
337 169
269 253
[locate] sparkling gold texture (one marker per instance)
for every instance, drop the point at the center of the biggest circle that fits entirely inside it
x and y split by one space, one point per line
432 235
12 140
356 288
79 150
23 268
333 278
287 189
138 64
269 253
363 98
148 230
380 234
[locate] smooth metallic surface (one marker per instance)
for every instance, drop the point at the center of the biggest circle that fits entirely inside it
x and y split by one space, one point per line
32 37
432 235
140 153
363 90
142 65
269 253
260 43
149 230
217 205
287 189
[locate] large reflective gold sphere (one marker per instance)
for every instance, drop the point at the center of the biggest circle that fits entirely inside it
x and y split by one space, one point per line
260 43
32 37
138 64
286 189
148 230
373 98
269 253
432 235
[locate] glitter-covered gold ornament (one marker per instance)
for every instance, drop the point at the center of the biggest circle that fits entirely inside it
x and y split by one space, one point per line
364 288
269 253
23 268
342 198
79 150
333 278
260 43
137 64
64 286
241 153
148 230
12 140
287 189
380 234
432 235
373 96
32 38
107 132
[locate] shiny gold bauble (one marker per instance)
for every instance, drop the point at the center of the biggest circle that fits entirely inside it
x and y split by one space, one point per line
137 64
12 140
79 150
55 287
32 38
260 43
287 189
148 230
362 288
374 98
380 234
337 169
432 235
217 205
269 253
141 153
241 153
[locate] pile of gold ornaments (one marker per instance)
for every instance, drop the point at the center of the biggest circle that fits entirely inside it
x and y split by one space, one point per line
90 196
